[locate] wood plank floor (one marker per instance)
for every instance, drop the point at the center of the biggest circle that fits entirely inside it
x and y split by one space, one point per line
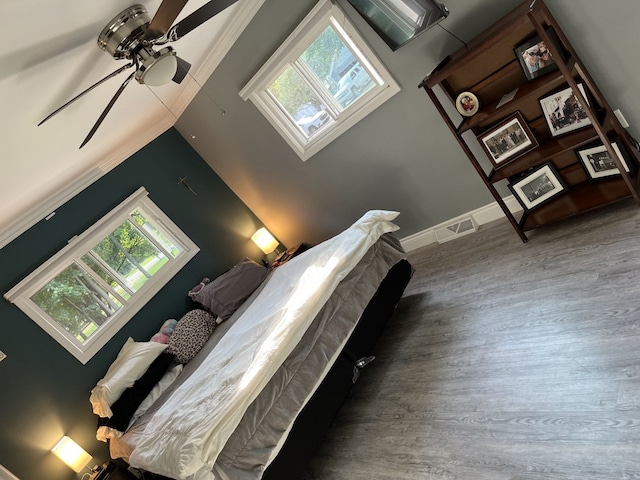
505 361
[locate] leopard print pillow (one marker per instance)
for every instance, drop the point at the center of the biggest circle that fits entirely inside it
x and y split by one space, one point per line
191 333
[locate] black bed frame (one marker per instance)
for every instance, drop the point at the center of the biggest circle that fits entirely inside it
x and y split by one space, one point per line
314 420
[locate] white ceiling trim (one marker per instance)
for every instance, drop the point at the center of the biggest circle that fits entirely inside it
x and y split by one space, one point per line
49 206
232 31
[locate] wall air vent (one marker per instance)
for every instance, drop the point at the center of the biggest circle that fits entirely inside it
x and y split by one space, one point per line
458 229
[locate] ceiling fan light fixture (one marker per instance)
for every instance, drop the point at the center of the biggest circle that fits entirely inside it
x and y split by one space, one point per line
133 36
124 31
156 68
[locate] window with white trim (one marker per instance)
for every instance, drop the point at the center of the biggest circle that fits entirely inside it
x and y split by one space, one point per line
92 287
321 81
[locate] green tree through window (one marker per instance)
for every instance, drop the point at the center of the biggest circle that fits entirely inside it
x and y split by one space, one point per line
75 300
125 260
322 64
85 293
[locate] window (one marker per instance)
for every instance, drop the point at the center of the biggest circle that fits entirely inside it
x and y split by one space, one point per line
92 287
320 82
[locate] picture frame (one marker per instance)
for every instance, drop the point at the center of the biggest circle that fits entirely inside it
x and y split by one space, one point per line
535 57
563 112
598 163
508 140
537 186
467 104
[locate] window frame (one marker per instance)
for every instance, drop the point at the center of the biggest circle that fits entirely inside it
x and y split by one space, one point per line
81 245
325 13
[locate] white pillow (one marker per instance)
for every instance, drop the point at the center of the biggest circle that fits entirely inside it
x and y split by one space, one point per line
131 363
105 433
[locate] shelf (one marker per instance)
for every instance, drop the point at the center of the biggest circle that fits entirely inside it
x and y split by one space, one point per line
515 21
489 67
581 198
492 113
543 153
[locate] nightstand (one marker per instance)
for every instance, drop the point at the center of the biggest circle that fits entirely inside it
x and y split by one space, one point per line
111 471
287 255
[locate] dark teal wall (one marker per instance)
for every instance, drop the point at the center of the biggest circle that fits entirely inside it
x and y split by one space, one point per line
44 389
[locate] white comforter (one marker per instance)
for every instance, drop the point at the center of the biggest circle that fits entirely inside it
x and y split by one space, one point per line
185 436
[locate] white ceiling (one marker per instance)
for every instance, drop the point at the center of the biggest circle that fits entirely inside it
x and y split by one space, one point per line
48 55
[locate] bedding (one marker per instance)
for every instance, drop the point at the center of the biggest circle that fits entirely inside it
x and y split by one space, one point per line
166 330
132 362
226 293
126 405
136 400
270 355
165 382
191 333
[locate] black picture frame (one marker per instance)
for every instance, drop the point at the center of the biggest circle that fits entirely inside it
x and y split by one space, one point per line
529 52
598 163
537 186
508 140
563 111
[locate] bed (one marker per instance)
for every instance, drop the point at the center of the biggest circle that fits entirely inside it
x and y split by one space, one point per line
257 397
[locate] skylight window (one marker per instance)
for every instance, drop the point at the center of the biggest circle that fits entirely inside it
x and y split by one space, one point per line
320 82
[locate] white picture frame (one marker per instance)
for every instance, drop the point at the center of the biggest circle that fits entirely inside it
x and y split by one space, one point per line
537 187
598 163
563 112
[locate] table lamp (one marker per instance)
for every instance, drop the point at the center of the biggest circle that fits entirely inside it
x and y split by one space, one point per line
72 454
263 239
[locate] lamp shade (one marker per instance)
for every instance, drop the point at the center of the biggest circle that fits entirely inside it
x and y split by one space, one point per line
72 454
265 240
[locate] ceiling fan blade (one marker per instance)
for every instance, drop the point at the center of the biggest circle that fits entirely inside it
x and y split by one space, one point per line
183 70
107 109
167 13
112 74
197 18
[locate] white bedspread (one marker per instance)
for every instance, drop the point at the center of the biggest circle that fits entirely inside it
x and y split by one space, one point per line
185 436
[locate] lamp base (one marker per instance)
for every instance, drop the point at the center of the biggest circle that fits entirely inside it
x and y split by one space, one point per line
287 255
110 471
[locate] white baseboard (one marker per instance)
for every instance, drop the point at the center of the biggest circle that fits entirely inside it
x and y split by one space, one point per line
482 215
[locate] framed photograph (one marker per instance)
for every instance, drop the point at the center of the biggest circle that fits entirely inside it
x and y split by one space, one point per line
537 187
508 140
598 163
467 104
535 58
563 112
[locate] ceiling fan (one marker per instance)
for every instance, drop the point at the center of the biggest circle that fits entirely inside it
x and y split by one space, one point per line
133 36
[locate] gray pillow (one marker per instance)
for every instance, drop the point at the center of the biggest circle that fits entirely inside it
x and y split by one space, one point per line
226 293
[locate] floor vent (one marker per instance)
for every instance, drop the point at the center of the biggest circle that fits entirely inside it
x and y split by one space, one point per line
456 230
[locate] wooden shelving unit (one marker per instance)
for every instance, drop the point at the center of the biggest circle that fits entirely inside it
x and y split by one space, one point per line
487 66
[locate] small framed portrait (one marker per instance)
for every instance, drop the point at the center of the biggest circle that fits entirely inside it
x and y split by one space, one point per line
563 112
598 163
508 140
537 186
467 104
535 58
